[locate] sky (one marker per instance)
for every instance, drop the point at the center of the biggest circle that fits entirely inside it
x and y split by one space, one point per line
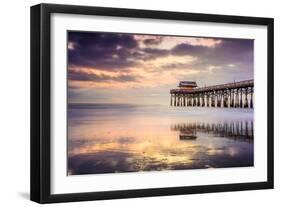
141 69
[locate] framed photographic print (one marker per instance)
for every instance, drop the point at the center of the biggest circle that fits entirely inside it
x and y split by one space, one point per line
133 103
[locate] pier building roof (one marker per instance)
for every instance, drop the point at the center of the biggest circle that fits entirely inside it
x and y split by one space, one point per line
192 84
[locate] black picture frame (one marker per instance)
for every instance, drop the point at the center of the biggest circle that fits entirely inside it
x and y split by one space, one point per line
41 98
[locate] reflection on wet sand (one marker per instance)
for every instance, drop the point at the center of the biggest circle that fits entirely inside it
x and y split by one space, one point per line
242 130
205 145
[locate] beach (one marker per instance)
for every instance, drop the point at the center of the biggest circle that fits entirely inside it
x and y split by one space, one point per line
111 138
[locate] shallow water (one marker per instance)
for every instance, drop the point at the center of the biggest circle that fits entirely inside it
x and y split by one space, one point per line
108 138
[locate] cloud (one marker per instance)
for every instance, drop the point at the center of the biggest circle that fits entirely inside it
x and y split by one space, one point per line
84 75
205 42
169 42
153 41
188 49
104 50
115 60
148 40
114 51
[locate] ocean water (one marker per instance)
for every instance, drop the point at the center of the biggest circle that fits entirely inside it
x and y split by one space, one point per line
115 138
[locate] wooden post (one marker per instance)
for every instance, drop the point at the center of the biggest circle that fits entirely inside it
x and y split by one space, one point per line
231 98
241 99
216 99
219 100
246 105
180 100
213 99
251 102
194 100
225 99
237 99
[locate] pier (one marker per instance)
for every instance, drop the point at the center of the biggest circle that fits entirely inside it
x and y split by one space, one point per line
230 95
